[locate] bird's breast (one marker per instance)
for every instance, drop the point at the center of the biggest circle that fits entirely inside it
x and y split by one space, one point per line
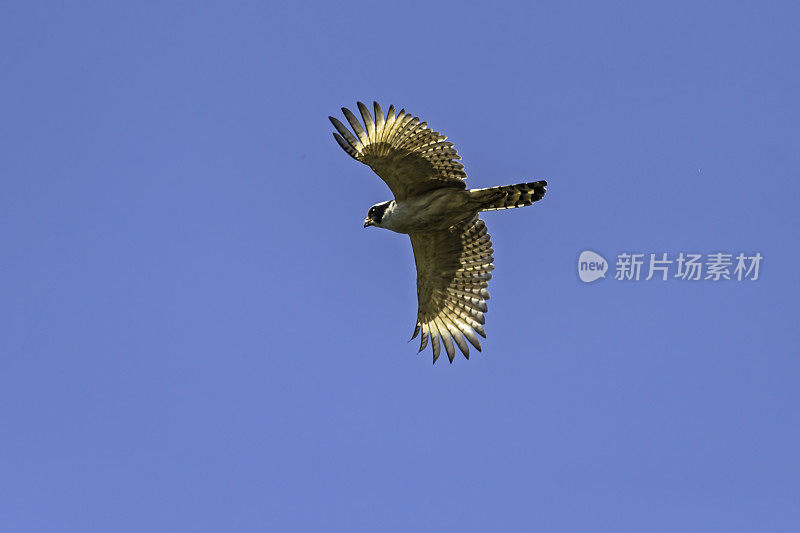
431 211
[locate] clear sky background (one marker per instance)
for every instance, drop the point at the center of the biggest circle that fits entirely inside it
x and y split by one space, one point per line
197 334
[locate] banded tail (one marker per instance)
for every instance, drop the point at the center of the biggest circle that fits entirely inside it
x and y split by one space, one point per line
509 196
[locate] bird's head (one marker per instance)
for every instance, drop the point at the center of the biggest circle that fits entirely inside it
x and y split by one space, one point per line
375 214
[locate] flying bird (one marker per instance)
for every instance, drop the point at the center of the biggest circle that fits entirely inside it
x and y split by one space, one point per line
452 248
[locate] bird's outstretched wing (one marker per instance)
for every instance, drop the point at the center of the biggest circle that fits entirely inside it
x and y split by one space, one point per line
453 270
404 152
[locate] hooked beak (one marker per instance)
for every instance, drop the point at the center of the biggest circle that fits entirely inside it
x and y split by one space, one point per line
368 222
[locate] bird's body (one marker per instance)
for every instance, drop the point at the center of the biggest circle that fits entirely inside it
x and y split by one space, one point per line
436 210
452 249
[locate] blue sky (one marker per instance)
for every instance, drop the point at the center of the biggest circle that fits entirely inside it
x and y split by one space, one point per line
198 335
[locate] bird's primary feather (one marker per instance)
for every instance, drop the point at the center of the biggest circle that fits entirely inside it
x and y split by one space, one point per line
453 271
411 158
